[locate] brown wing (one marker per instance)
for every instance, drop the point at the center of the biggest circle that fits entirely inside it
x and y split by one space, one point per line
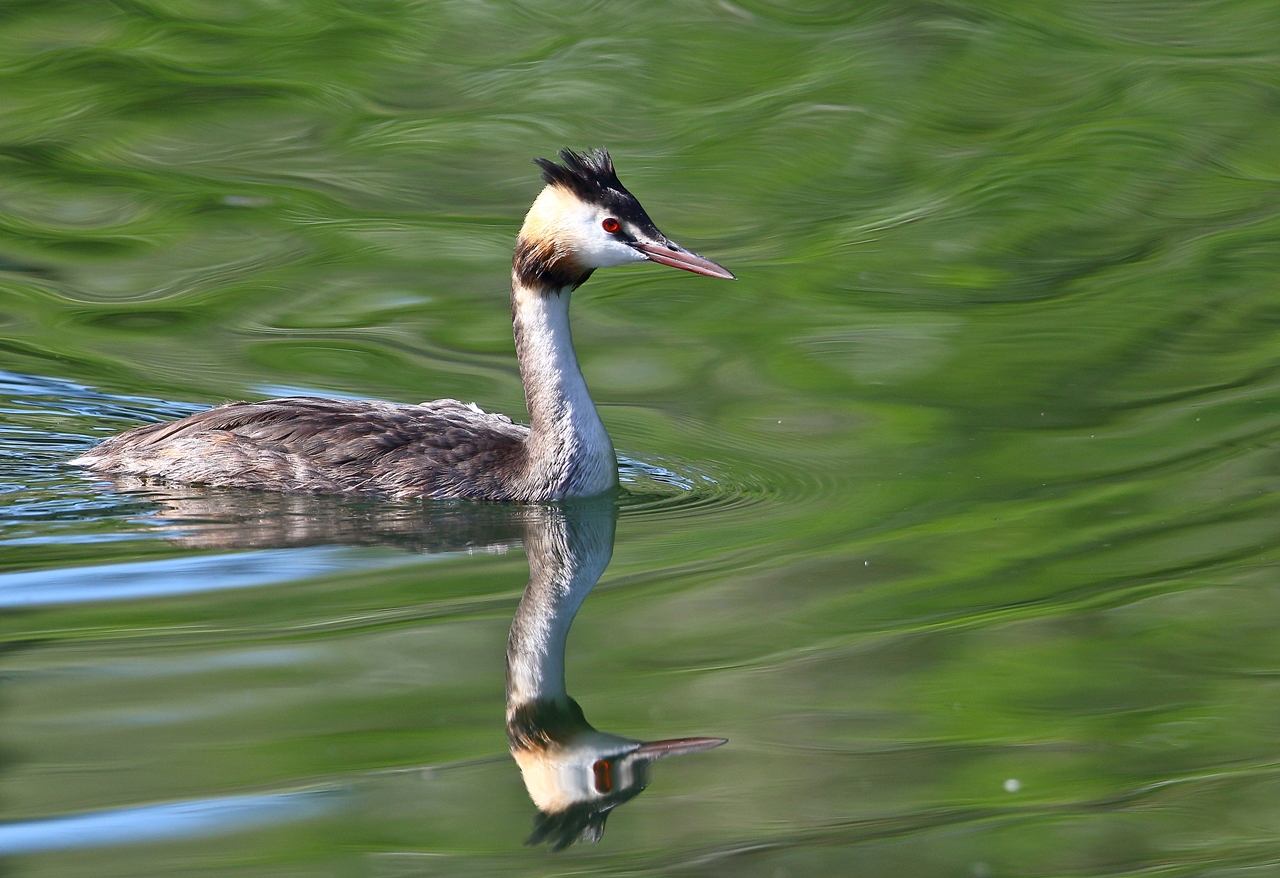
437 449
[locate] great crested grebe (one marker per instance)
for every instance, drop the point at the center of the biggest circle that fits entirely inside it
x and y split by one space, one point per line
584 219
575 774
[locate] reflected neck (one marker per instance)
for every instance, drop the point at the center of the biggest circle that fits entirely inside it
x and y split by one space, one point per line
570 454
567 555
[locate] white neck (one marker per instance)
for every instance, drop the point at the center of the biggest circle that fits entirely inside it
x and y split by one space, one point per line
568 551
570 454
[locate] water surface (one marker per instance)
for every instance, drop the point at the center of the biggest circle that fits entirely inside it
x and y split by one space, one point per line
956 514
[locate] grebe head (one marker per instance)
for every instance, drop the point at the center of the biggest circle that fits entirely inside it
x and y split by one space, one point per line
576 775
586 219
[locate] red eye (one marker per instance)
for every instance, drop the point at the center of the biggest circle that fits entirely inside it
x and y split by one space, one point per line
611 225
602 769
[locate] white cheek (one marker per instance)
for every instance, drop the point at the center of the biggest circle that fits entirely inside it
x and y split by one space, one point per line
610 252
597 248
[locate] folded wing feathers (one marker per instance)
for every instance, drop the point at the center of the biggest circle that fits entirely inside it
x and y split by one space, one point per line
309 443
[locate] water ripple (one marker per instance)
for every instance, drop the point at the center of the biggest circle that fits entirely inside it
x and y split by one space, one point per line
679 490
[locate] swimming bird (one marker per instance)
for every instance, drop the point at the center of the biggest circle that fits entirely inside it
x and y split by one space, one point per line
575 774
583 219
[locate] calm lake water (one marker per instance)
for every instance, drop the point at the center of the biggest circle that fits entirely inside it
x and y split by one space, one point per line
956 515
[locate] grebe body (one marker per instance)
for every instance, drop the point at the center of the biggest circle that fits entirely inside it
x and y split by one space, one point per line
584 219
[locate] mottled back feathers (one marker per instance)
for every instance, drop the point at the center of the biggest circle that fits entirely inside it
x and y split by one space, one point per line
437 449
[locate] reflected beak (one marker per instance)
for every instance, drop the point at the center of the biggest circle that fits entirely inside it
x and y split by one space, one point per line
678 746
670 253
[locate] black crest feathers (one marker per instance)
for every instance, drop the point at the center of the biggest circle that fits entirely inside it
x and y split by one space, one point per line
589 174
579 822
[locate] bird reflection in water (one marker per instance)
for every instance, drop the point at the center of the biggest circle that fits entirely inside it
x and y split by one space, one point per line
575 774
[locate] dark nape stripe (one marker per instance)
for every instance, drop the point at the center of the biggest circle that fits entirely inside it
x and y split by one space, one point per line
534 267
538 724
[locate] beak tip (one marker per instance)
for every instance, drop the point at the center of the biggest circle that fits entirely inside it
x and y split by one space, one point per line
677 257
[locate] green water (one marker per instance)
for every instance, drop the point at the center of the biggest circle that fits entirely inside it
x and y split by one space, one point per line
956 514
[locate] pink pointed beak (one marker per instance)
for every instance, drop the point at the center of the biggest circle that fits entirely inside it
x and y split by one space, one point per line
670 253
677 747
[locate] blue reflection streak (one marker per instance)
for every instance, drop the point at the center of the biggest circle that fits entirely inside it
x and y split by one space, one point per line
177 576
151 823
